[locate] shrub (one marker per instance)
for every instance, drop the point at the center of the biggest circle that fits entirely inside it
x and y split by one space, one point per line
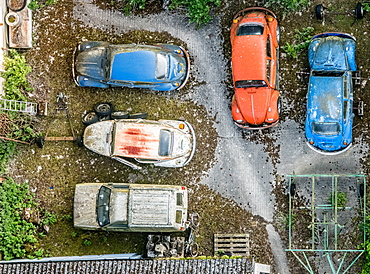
198 10
18 235
302 39
16 70
287 6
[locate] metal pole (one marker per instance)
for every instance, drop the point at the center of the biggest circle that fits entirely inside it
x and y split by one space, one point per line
313 213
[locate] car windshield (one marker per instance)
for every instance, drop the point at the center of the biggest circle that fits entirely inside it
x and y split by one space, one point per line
328 73
103 205
161 70
249 29
326 128
250 83
164 143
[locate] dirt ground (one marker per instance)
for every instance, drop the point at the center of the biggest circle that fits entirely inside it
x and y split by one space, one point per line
54 170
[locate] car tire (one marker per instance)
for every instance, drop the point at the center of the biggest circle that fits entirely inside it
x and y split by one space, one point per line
319 11
279 106
79 141
90 118
103 109
141 115
359 11
40 141
362 190
292 189
119 115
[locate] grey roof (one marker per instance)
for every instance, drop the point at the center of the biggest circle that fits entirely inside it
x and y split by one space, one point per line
230 266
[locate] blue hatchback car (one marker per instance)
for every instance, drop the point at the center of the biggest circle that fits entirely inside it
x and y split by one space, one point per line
330 93
160 67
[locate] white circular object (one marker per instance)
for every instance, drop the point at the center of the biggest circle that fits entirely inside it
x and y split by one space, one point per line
12 19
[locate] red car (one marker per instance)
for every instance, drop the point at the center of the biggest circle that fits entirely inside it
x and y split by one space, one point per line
255 42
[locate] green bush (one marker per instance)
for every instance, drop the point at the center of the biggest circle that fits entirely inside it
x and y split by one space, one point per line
287 6
134 4
7 150
36 4
341 199
198 10
15 232
302 39
16 70
18 234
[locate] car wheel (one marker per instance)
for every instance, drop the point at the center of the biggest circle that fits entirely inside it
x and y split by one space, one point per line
319 11
119 115
103 109
359 11
279 106
362 190
292 189
90 118
40 141
79 141
141 115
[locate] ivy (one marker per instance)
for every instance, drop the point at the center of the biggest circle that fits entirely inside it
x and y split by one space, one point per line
7 150
18 234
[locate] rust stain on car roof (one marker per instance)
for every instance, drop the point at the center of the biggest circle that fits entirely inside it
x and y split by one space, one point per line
135 140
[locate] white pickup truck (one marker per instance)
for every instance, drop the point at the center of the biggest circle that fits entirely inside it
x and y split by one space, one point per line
130 207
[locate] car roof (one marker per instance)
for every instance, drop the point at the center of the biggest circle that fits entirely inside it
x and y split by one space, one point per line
328 53
249 57
136 140
134 66
325 99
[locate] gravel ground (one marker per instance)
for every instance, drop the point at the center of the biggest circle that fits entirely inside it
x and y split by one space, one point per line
248 168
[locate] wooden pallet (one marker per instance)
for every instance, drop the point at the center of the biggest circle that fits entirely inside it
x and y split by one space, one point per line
233 244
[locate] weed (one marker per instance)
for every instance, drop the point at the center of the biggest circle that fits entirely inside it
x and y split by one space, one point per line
341 199
366 6
198 11
67 217
49 219
132 5
301 42
283 220
287 6
87 242
35 4
74 234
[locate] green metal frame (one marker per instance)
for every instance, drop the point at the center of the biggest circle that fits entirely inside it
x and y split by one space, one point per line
330 246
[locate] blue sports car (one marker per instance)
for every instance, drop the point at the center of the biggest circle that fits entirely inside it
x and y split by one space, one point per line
160 67
330 93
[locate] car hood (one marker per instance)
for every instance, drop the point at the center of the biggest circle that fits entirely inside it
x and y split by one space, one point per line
253 103
98 137
91 63
331 53
328 143
84 211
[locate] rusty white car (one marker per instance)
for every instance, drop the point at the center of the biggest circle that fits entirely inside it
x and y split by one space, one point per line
164 143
